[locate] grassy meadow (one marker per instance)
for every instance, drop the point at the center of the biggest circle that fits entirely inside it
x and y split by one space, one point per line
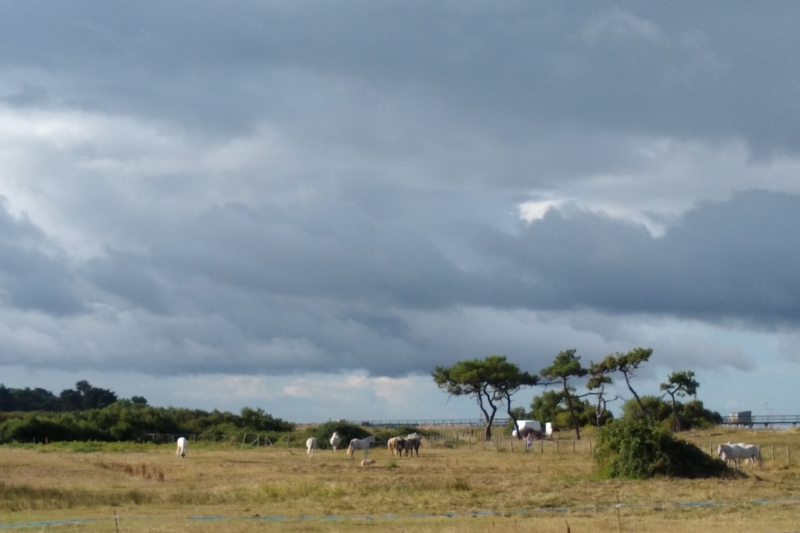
151 490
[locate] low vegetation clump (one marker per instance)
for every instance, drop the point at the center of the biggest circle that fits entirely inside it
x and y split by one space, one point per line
636 450
128 421
323 432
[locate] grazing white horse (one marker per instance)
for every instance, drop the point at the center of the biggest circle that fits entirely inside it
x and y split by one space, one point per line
752 453
736 452
335 440
182 445
360 444
311 445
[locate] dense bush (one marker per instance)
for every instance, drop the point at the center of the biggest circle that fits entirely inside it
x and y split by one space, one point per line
550 406
83 396
384 434
127 421
693 413
634 449
346 430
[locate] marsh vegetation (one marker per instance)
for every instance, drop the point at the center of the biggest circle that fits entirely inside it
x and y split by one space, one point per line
484 488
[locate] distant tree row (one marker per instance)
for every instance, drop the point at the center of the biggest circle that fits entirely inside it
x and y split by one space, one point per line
92 413
493 380
126 420
83 397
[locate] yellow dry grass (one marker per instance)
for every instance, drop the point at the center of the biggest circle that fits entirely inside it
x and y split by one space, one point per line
152 490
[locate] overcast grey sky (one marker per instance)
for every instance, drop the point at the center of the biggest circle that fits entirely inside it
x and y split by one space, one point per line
304 206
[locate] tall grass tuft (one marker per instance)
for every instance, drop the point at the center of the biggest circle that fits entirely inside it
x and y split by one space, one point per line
134 470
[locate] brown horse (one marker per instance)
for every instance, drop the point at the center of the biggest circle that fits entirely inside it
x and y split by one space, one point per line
411 444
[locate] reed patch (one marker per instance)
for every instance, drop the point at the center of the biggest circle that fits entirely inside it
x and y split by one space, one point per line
132 469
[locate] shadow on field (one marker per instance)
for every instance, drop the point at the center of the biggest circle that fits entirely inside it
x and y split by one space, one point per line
738 474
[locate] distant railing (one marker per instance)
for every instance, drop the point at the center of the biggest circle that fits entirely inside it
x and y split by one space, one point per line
427 422
239 439
753 420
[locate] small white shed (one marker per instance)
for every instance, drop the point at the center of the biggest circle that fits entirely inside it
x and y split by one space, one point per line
527 424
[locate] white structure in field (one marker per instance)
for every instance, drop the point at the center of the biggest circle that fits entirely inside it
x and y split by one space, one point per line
526 426
744 418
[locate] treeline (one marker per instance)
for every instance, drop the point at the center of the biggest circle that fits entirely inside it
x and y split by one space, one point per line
493 381
551 406
84 396
88 416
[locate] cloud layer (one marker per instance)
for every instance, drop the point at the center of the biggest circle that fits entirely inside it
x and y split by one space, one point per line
271 188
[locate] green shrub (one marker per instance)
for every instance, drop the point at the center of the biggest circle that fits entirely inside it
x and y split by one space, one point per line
346 431
636 450
384 434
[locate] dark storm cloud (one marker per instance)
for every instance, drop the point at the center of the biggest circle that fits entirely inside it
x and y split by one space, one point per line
721 260
504 72
328 288
130 277
33 273
326 250
277 187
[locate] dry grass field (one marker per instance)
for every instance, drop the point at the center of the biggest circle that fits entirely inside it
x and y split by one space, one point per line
485 489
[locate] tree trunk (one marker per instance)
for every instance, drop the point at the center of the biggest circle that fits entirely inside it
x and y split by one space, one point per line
675 412
638 400
489 418
599 408
511 415
575 420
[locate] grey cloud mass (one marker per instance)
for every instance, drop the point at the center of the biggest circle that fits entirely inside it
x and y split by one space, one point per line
720 260
285 188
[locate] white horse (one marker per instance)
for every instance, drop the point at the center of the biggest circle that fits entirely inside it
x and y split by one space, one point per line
182 445
736 452
729 452
360 444
392 445
335 440
752 453
311 445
